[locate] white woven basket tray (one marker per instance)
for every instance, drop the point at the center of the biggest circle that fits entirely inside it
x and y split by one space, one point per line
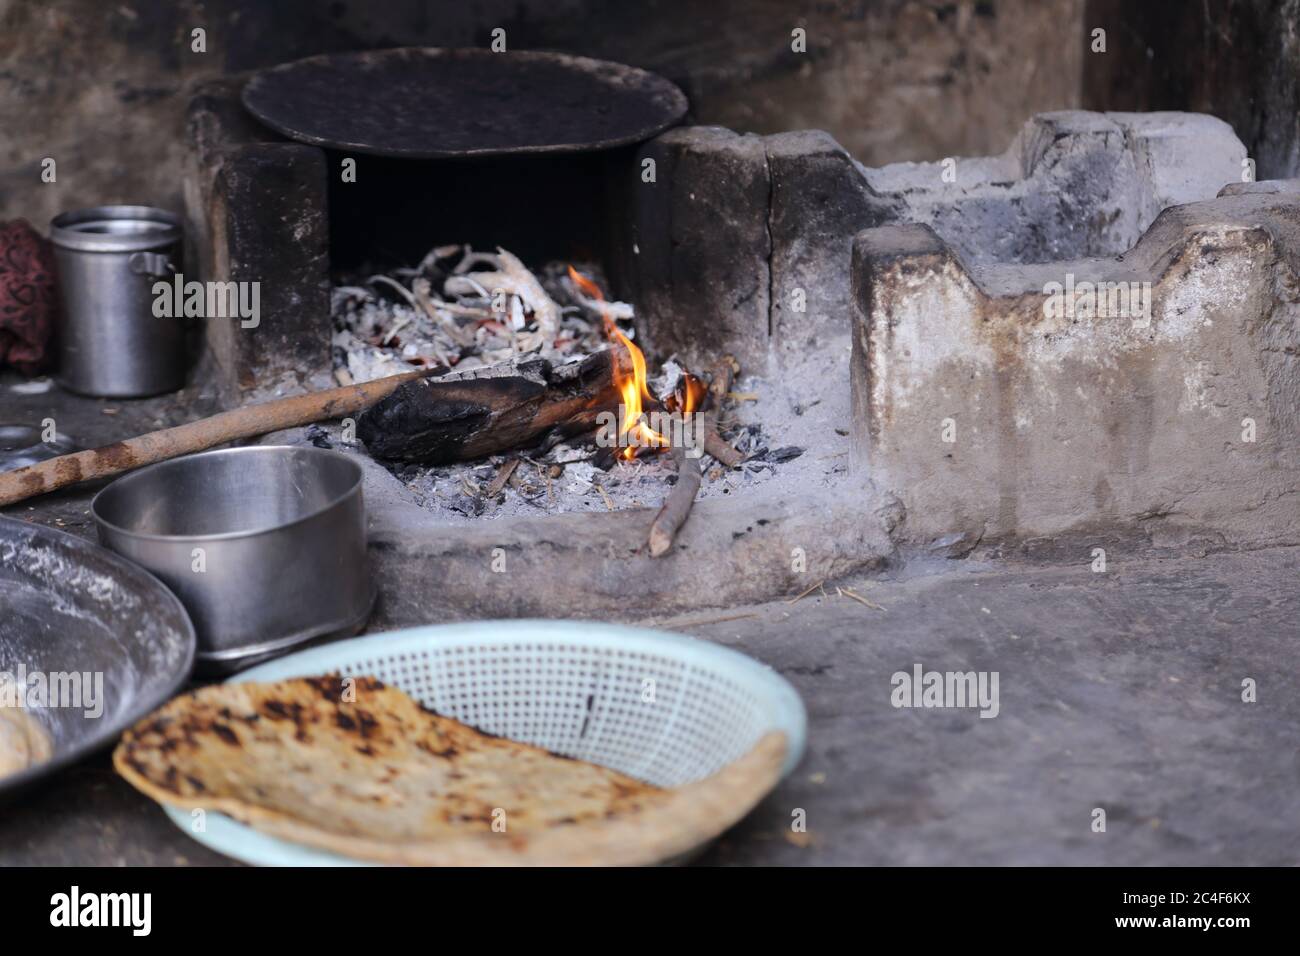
661 707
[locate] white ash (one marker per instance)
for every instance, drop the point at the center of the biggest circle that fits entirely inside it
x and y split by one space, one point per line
464 309
792 451
667 381
458 493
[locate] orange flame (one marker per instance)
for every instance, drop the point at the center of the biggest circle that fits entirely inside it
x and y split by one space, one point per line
634 388
693 392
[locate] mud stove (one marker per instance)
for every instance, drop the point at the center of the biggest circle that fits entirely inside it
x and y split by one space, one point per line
901 388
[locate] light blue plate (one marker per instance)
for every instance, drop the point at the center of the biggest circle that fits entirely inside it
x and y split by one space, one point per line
658 706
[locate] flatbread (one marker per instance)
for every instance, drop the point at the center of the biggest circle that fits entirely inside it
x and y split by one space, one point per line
23 741
379 777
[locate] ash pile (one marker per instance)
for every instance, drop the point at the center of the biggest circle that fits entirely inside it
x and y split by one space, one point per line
465 309
485 319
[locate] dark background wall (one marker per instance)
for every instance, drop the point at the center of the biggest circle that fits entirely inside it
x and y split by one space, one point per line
1236 59
101 86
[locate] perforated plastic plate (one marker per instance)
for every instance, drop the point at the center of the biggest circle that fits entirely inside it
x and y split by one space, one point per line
662 707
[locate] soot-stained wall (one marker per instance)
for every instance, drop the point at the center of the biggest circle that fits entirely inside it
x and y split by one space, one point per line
101 87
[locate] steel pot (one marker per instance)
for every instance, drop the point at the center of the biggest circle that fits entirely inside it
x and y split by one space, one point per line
265 546
110 342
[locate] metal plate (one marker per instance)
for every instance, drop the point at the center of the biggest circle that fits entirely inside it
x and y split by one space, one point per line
68 606
430 103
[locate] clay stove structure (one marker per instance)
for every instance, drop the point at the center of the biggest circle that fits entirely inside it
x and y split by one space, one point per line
873 311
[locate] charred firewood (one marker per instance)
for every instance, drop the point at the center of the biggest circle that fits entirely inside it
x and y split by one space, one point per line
460 416
677 506
717 446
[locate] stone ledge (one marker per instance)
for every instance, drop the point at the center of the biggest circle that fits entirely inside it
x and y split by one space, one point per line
737 226
588 564
1060 421
699 275
256 211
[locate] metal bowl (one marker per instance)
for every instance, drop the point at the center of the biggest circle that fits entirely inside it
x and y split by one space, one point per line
68 607
265 546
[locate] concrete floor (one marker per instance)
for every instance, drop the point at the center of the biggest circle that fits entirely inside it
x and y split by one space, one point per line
1120 690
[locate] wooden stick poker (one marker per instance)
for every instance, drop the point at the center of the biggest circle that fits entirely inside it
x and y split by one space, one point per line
239 423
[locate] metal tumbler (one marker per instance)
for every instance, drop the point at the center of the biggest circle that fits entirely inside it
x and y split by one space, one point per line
108 260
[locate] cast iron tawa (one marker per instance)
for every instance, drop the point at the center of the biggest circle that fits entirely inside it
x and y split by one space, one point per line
431 103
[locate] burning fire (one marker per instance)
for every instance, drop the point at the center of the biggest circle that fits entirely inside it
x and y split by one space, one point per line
693 392
634 388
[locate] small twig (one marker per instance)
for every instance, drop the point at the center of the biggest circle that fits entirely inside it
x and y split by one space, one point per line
403 290
472 258
700 622
803 594
717 447
677 506
502 476
435 255
678 503
609 502
455 308
849 593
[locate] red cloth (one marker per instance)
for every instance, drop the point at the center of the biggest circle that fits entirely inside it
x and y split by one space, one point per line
27 297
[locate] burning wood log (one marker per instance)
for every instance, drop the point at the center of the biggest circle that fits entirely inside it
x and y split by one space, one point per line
462 416
677 506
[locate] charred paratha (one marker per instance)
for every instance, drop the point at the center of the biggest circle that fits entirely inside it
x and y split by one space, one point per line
364 770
